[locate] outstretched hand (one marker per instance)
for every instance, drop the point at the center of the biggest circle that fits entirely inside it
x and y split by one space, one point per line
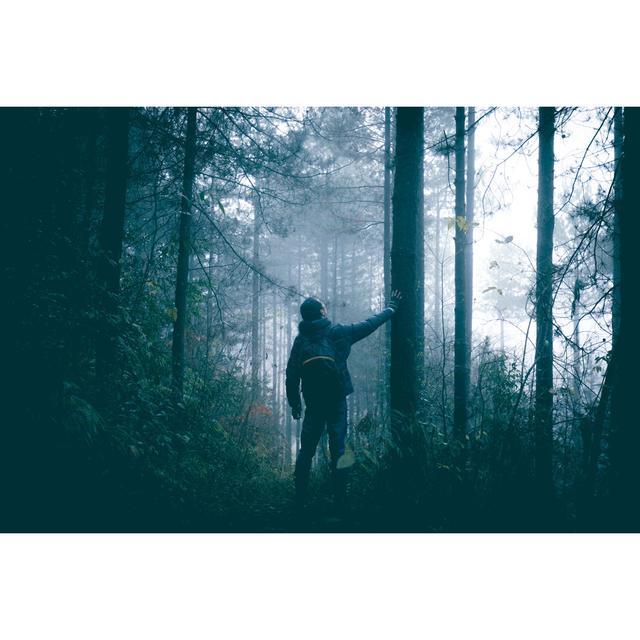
394 299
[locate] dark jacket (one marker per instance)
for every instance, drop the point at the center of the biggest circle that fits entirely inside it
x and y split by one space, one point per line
342 336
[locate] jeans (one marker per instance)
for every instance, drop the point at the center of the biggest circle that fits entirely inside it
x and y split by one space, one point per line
333 416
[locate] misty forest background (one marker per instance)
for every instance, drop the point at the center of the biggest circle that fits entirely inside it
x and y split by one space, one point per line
154 260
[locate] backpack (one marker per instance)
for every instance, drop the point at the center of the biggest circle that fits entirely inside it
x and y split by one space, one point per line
321 379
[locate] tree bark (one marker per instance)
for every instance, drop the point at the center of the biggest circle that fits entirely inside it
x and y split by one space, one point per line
420 278
404 269
617 202
625 447
288 420
324 269
461 368
386 248
255 308
544 308
387 205
184 250
298 424
334 288
274 358
437 315
469 208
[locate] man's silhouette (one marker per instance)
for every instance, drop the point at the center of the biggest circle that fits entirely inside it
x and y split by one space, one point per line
319 359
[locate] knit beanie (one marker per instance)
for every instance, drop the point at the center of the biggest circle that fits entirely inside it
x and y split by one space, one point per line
310 309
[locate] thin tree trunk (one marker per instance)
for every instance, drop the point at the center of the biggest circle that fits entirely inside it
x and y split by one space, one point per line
91 157
288 422
544 308
469 206
264 356
387 207
617 189
184 249
255 308
386 248
420 281
334 292
461 370
274 360
210 301
298 424
576 364
437 316
324 269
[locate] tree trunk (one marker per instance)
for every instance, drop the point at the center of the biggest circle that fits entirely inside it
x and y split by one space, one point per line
575 346
437 315
288 420
274 360
404 269
626 434
387 208
617 190
184 249
210 302
324 269
471 176
544 308
386 262
112 235
461 369
91 162
420 280
255 308
298 422
334 291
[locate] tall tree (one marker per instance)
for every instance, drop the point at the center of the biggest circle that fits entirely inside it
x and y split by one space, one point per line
461 370
420 276
404 269
112 234
386 261
437 263
324 268
387 207
255 307
274 355
617 204
544 307
469 204
626 434
184 249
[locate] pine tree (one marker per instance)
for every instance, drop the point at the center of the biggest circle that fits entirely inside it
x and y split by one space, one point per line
184 250
544 308
404 268
461 370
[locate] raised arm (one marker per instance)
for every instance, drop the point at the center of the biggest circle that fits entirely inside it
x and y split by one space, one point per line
360 330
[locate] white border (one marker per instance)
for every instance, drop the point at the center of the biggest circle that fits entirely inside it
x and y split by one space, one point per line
313 586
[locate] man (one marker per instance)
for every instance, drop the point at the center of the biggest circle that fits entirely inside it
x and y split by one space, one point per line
319 359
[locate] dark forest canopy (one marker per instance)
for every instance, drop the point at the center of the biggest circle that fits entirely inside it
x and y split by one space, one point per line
154 260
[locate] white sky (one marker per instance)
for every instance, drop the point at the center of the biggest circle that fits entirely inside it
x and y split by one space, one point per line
515 187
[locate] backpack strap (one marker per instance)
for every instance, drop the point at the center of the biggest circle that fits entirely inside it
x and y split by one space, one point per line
318 358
